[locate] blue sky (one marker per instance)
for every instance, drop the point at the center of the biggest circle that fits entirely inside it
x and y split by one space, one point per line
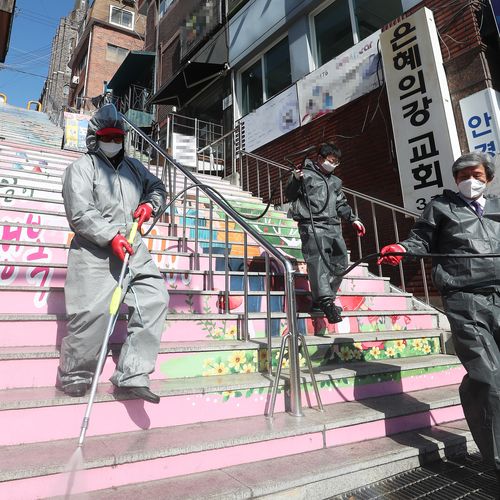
34 27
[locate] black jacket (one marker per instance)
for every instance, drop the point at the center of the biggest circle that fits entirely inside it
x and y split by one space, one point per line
449 225
319 187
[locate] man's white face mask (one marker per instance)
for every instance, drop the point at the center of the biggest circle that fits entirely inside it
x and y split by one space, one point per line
329 167
110 149
472 188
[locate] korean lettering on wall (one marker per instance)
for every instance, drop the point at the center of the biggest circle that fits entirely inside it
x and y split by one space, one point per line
481 119
424 129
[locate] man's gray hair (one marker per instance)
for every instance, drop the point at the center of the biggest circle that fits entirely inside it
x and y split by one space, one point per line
474 159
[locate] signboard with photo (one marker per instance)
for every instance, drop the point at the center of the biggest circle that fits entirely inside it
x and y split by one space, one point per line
273 119
341 80
75 131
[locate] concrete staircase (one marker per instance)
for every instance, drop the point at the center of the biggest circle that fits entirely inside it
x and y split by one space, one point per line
389 391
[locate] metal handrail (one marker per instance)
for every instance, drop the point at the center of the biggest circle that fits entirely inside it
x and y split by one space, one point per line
261 158
374 202
291 309
221 138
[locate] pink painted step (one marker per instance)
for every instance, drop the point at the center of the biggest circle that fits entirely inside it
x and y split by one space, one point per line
17 275
50 329
161 453
204 404
51 300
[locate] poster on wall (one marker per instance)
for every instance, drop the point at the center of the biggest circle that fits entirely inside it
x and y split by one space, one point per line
481 118
424 127
273 119
75 131
341 80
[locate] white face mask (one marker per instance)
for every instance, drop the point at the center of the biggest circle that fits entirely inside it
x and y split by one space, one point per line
328 166
110 149
472 188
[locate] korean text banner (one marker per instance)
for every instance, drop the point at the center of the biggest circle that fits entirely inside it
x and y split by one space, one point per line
341 80
481 118
422 116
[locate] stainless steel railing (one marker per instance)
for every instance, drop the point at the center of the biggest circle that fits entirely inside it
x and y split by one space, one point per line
386 223
201 207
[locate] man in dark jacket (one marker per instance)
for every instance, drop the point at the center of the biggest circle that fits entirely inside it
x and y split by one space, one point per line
467 222
104 191
318 205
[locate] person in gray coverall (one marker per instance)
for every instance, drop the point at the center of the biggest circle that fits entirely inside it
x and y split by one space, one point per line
316 193
467 222
104 191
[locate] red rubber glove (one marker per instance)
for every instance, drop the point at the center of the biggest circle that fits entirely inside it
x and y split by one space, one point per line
392 260
120 245
143 213
359 227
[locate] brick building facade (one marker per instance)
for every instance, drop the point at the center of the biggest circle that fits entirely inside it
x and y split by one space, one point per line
111 29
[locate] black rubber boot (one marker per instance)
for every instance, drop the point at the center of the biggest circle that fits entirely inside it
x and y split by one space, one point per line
331 311
316 308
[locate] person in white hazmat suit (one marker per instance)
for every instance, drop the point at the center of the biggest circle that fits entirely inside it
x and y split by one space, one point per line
104 191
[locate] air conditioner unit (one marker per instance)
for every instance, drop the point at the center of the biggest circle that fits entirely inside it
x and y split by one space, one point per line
75 80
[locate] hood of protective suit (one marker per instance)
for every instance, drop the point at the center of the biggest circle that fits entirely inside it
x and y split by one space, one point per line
105 117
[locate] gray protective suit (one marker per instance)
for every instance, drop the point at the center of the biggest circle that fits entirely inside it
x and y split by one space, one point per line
327 222
471 296
99 200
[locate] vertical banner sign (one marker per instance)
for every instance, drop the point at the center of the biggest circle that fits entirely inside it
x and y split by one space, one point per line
481 117
422 116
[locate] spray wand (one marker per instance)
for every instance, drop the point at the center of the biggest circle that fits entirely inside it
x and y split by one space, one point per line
113 315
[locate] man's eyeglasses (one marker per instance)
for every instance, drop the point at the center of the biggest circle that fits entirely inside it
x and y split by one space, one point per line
118 139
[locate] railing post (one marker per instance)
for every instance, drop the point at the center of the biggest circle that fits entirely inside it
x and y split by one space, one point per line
293 342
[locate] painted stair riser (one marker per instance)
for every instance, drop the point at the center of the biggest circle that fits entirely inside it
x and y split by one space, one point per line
50 332
33 164
109 417
161 468
23 185
31 231
29 157
37 153
39 252
43 179
24 276
11 216
31 234
23 170
28 175
52 302
13 197
35 175
33 371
